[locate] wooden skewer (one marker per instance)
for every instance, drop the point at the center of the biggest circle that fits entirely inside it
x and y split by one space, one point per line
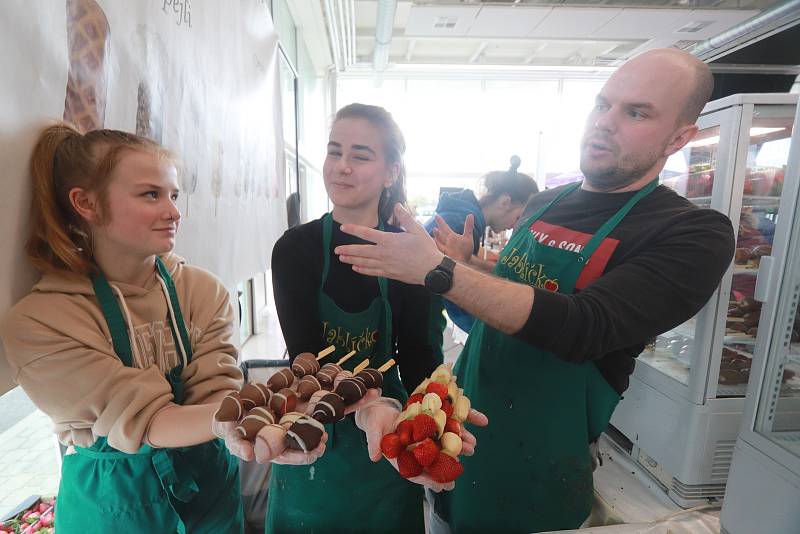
325 352
360 367
386 366
346 357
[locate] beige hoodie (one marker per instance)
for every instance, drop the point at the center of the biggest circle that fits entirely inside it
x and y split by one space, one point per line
59 346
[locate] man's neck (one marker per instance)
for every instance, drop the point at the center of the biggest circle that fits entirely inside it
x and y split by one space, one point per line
633 186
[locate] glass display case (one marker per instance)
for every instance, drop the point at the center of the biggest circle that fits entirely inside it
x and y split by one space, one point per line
683 409
763 490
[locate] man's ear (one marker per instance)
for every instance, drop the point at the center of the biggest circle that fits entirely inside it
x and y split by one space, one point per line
85 204
680 138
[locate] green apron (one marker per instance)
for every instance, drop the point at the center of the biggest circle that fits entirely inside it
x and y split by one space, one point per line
188 489
532 470
344 491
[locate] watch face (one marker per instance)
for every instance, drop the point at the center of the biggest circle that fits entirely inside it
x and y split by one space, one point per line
438 281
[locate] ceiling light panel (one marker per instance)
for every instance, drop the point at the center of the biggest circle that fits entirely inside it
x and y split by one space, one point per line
507 22
573 23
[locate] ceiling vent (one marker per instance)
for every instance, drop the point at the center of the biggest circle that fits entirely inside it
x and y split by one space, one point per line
445 23
694 27
686 44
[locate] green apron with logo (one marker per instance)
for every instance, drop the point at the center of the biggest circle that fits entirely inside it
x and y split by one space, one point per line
344 491
181 490
532 470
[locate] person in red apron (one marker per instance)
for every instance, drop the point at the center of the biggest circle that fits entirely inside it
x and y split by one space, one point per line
595 270
321 302
125 347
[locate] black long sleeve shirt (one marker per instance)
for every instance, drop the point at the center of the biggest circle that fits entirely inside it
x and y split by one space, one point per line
653 272
296 273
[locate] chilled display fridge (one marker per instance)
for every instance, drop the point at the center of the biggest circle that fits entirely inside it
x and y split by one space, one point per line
763 492
681 415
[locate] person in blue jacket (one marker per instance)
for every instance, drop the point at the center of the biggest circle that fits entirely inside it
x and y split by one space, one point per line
504 196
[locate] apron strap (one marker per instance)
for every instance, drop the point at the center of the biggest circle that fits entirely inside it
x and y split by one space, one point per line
383 284
114 318
119 331
612 223
538 213
327 231
174 474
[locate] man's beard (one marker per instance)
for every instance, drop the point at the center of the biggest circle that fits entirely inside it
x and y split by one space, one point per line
620 175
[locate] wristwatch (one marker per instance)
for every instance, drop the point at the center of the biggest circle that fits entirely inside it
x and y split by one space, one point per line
440 279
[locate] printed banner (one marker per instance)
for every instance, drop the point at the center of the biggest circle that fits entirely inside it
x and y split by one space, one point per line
200 77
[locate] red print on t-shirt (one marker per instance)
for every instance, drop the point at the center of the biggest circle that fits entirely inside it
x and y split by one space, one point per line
564 238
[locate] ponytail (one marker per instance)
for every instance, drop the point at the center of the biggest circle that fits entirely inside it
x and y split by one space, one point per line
518 186
57 239
63 159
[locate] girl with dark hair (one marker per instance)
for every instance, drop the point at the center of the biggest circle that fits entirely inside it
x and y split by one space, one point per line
321 301
504 196
126 348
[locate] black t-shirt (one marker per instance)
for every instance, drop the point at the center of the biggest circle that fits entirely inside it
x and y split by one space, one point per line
653 272
296 273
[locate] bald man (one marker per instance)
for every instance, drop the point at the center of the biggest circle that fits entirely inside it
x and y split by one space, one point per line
593 271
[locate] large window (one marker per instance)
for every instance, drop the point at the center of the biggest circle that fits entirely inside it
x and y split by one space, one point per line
458 129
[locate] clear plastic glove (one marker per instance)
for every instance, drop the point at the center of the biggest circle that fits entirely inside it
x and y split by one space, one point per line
294 457
376 419
425 480
237 446
372 396
468 441
270 446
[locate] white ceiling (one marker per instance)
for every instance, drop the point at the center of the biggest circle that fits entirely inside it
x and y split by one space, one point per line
526 33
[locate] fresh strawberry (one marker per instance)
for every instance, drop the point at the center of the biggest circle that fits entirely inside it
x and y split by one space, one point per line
408 465
439 389
424 427
416 397
445 468
426 452
391 446
405 429
447 407
453 426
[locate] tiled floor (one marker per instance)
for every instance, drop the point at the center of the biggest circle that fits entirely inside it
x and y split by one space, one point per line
29 461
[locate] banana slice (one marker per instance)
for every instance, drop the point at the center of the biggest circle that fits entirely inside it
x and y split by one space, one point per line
461 409
441 419
431 402
442 374
451 444
421 388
